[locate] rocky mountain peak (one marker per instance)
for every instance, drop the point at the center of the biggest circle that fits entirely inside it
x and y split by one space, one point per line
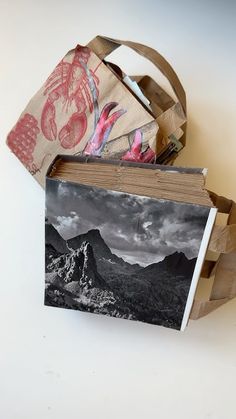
176 258
53 238
178 263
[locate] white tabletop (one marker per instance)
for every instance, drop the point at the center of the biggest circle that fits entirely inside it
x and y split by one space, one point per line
61 364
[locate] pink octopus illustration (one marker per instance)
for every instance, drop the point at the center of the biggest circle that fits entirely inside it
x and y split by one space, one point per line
135 154
76 86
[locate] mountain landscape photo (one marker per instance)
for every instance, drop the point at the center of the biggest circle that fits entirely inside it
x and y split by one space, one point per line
119 254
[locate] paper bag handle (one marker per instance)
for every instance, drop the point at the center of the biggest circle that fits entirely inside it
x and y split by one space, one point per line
103 46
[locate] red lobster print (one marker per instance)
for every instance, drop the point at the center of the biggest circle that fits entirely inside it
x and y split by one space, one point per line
74 84
135 154
102 130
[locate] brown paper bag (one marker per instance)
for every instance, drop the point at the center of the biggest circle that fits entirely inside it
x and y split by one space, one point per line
84 107
222 265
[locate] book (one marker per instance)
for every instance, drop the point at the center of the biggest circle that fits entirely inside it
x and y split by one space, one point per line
125 240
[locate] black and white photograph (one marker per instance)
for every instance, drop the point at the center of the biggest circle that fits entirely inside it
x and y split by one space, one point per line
120 254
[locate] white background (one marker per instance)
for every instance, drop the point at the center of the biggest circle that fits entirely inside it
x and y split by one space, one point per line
62 364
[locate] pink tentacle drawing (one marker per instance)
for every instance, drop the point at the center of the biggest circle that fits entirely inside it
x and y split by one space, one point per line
135 153
102 131
148 156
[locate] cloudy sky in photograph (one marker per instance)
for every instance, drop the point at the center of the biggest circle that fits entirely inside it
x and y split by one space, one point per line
139 229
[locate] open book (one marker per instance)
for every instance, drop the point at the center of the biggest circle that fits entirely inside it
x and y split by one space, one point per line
124 239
